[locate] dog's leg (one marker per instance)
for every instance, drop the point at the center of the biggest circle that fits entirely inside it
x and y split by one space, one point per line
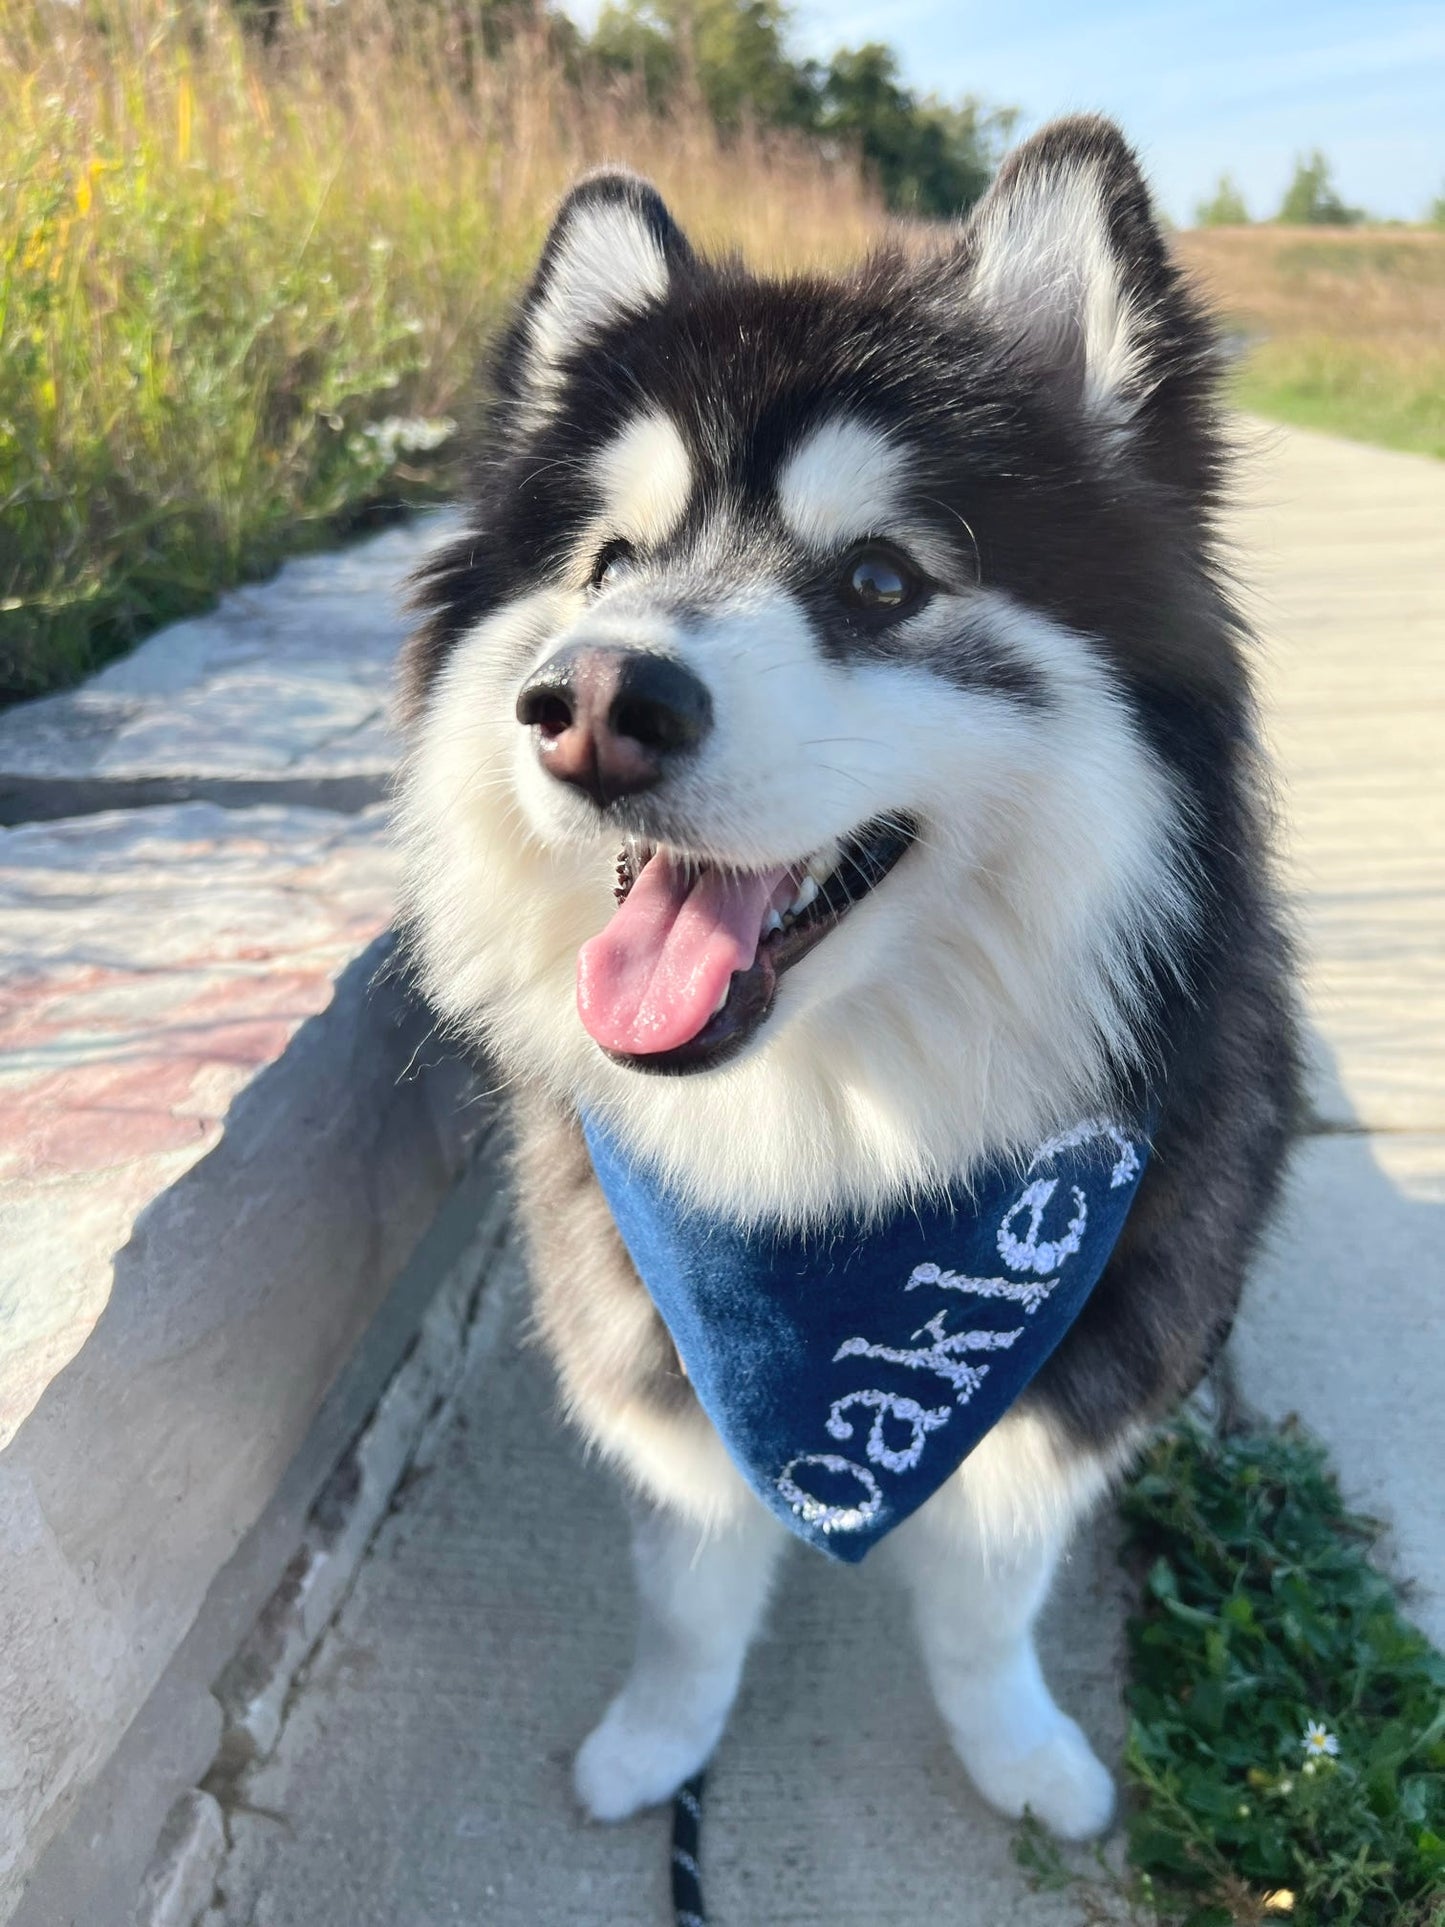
702 1597
975 1608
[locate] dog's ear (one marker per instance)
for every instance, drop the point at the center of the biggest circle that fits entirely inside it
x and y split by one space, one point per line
1065 257
613 251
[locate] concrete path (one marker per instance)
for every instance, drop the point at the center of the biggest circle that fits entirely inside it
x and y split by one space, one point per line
422 1774
1345 1323
422 1777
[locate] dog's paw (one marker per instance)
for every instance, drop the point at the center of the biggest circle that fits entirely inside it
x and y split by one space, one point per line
628 1762
1062 1782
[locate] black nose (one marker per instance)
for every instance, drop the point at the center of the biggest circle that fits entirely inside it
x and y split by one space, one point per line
607 720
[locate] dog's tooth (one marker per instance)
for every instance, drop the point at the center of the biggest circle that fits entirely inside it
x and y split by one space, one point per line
807 891
771 922
722 999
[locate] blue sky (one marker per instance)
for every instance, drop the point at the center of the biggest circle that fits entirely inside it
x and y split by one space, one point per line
1244 85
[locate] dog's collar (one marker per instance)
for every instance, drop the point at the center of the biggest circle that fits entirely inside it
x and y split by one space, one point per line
851 1369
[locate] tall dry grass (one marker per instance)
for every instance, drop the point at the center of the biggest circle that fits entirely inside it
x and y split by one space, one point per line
1344 329
243 289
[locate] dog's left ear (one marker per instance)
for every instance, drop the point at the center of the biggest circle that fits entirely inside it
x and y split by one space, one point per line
1066 259
613 251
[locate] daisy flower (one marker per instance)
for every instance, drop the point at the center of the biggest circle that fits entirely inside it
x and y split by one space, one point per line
1318 1739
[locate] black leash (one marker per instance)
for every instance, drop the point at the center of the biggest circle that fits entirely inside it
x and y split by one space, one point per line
687 1909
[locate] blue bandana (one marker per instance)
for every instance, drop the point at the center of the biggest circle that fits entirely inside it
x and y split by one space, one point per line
850 1370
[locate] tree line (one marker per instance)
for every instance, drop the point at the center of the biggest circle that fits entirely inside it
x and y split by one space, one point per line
735 59
1310 200
929 156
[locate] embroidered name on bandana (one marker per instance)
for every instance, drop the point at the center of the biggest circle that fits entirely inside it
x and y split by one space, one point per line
852 1369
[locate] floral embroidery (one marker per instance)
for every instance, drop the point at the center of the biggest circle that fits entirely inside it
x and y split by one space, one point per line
945 1356
1126 1164
889 1405
1029 1253
1028 1292
816 1512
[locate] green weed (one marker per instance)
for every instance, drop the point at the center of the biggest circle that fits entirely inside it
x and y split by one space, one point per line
1287 1738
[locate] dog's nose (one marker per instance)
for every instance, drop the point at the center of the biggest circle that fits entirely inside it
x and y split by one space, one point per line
607 720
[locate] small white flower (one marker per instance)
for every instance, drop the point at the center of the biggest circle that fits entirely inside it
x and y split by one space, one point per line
1318 1739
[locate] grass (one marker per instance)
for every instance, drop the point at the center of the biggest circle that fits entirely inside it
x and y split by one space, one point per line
1345 328
1285 1761
244 289
1262 1615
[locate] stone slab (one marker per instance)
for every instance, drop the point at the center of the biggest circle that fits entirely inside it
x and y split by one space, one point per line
422 1776
1342 1325
155 962
291 1571
213 1163
281 693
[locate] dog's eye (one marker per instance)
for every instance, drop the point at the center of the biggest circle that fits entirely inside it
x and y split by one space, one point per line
614 561
877 581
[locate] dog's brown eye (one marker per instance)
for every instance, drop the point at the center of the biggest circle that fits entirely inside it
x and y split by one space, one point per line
614 561
876 581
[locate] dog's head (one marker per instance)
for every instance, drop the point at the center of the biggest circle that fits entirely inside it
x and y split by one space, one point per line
790 774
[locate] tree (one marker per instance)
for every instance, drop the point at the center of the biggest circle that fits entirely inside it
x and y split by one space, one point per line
1437 210
929 157
1226 208
1311 199
735 50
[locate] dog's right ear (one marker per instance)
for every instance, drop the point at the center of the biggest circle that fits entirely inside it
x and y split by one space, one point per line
613 251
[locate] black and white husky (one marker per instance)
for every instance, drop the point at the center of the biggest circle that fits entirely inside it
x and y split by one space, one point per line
865 639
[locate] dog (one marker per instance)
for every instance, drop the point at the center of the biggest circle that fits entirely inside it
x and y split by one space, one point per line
832 771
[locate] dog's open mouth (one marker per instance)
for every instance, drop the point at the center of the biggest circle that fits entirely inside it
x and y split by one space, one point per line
688 967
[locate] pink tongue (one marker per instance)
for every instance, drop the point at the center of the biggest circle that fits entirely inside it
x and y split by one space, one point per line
653 977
